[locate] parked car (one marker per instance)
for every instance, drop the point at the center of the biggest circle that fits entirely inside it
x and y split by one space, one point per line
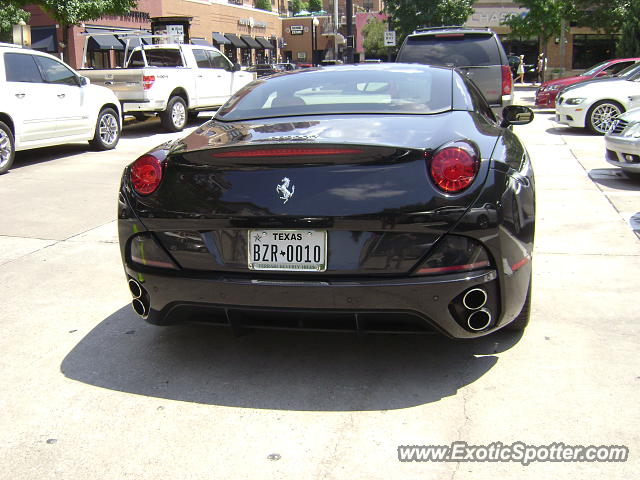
44 102
596 104
342 198
622 143
286 66
175 81
476 52
264 70
546 94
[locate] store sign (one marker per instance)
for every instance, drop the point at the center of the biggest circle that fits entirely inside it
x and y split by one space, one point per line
296 29
251 23
176 33
492 16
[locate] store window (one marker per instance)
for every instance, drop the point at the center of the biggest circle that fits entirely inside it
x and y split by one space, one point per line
591 49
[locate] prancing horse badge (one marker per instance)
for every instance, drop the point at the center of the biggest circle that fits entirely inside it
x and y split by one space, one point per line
283 190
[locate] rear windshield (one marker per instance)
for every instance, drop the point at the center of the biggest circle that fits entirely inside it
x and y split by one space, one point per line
343 90
461 50
157 57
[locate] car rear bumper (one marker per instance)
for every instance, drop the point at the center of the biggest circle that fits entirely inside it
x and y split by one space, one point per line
432 304
146 106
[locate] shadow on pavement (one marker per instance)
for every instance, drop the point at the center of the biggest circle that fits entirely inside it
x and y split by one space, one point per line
35 156
614 178
135 129
278 370
569 131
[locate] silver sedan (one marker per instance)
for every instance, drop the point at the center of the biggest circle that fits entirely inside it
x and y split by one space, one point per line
623 143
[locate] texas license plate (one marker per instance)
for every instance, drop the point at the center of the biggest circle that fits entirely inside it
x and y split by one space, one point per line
288 250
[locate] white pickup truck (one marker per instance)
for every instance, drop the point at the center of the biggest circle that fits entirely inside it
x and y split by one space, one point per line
173 80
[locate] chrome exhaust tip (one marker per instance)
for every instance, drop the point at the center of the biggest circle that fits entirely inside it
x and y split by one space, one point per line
135 288
479 320
140 308
475 299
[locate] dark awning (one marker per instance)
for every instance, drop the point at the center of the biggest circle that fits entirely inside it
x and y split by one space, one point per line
200 41
220 39
133 41
43 38
235 41
266 44
103 40
249 40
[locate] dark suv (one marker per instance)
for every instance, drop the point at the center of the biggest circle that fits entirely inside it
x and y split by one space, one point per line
477 52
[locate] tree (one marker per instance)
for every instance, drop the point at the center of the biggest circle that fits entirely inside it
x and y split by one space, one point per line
407 15
297 6
263 5
10 15
315 5
629 40
373 41
544 19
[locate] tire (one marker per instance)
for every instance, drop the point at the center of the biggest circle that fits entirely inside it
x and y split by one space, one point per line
522 320
7 148
174 118
107 131
601 114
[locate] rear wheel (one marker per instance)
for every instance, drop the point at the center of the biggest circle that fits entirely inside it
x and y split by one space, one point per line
174 118
522 320
107 131
7 148
601 115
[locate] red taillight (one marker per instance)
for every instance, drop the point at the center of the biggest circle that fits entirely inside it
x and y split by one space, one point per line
147 81
507 80
146 173
286 152
454 168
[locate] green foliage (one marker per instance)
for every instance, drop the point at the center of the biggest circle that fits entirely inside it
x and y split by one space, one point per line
10 15
71 12
315 5
629 40
263 5
373 41
544 19
407 15
298 5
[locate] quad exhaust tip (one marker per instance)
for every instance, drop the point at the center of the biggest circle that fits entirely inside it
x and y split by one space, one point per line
475 299
135 288
479 320
140 307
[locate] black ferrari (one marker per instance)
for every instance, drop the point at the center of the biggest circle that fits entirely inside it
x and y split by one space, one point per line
368 198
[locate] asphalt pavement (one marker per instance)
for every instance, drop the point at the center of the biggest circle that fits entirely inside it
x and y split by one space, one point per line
91 391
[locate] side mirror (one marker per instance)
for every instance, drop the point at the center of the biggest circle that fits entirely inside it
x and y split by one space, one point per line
82 81
236 67
516 115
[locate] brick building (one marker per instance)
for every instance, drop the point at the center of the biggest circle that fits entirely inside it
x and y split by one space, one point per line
244 33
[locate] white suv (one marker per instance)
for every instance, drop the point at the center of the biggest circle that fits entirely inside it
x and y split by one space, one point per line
44 102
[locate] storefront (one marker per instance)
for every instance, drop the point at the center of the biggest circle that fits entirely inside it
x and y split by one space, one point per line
262 31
